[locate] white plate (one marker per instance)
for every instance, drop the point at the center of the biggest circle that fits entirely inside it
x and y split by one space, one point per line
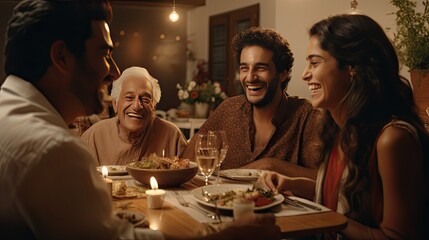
197 194
241 174
114 170
134 218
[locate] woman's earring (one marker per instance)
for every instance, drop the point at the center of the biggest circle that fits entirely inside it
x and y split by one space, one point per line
352 75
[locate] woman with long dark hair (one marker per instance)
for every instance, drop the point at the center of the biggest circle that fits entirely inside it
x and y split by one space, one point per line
376 153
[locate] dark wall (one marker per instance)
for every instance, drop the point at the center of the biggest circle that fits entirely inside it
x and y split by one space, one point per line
140 45
6 8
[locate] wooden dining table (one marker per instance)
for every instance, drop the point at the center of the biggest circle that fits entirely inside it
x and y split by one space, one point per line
172 221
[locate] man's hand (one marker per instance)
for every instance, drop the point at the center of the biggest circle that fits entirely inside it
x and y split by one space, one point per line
252 226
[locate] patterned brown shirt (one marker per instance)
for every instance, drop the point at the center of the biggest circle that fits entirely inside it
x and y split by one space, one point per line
295 139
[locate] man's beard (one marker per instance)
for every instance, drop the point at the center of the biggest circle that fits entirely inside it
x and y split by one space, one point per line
269 94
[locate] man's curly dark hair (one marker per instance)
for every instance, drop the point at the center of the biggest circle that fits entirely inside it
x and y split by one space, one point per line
268 39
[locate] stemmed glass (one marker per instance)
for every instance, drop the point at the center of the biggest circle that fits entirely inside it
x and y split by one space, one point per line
207 154
222 146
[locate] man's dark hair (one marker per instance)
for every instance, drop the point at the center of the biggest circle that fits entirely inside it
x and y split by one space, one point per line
36 24
268 39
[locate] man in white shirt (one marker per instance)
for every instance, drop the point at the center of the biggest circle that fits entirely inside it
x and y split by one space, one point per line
57 56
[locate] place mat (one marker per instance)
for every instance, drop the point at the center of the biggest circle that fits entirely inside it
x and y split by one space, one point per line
280 210
199 180
170 197
283 210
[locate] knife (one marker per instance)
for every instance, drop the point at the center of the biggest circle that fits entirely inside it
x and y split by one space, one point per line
298 203
293 204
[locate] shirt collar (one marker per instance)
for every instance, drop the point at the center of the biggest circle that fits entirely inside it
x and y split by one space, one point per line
25 90
281 113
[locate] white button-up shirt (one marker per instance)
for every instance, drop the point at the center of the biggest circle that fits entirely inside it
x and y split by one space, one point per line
49 186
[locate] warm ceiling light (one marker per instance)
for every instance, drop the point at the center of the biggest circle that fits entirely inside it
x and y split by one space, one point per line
174 17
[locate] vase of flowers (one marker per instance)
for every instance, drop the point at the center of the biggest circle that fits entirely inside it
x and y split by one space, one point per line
201 109
201 92
202 96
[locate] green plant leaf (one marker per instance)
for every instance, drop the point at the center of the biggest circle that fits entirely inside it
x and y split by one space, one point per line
412 34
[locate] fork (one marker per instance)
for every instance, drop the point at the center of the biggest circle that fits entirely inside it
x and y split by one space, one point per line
185 203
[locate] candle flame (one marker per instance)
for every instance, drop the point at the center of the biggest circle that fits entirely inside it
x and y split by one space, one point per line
163 152
154 226
153 183
104 171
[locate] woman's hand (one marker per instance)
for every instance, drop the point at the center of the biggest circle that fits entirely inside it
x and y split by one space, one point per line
299 186
273 181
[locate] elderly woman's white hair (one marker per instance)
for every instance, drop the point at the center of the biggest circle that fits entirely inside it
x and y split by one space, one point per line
137 72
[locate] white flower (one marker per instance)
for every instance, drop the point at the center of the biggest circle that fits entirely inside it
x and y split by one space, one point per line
217 90
216 84
223 95
185 95
192 84
180 94
178 86
213 99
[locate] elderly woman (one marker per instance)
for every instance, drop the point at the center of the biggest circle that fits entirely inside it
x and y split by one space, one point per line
375 170
135 132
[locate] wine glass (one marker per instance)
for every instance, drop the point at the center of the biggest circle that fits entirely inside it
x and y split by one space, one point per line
222 146
207 154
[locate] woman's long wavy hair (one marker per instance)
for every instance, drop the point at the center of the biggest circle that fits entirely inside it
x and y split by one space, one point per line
377 95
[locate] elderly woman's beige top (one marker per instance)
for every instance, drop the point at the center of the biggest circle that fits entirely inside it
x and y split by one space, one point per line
108 148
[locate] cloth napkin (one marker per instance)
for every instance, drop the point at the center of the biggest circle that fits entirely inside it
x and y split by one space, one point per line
128 189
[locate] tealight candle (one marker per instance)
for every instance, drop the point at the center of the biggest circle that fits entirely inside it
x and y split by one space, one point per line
155 197
108 181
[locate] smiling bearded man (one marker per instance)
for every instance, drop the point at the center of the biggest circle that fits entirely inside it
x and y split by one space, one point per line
266 128
135 132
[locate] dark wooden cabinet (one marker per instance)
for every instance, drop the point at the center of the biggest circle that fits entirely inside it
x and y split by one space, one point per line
222 28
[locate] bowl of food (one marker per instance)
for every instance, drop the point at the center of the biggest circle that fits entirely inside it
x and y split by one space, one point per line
168 172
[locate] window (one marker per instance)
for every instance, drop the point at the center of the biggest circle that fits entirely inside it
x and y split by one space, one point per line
223 28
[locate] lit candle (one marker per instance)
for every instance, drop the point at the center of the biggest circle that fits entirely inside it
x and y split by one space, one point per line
163 152
108 181
155 197
153 183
